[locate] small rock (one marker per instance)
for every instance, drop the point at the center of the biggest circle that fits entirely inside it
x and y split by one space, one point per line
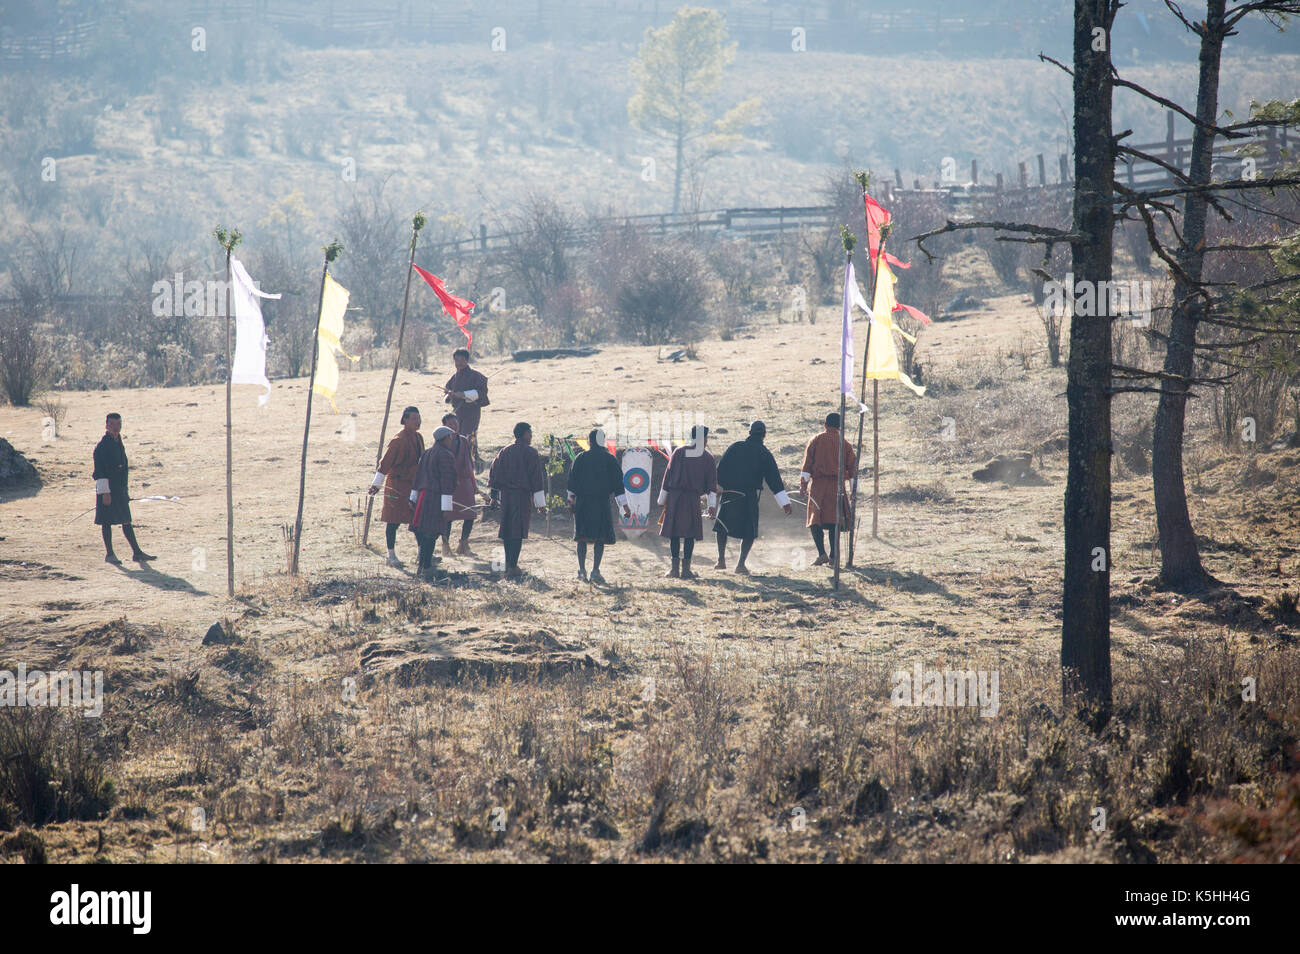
217 636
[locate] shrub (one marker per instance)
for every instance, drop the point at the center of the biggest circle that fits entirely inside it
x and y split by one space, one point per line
662 293
50 768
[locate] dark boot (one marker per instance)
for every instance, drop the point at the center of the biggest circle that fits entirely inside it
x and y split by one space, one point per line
676 571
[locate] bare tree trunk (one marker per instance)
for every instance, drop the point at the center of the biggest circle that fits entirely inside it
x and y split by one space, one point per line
1180 561
1085 627
677 172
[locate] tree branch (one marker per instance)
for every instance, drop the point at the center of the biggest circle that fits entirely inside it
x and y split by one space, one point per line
1049 234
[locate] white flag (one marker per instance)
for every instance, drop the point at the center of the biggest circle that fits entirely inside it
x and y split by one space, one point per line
852 297
249 364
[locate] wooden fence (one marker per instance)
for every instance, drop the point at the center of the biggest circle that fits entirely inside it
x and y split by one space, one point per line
1266 150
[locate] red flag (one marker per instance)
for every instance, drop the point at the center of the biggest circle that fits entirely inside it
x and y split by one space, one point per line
916 313
457 308
878 215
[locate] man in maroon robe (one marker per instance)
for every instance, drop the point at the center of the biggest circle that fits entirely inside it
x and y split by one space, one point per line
517 481
467 395
820 473
394 475
691 474
462 501
431 499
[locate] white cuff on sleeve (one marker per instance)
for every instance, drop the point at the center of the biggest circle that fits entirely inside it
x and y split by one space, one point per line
415 495
621 500
101 486
663 495
713 500
539 498
378 481
446 501
471 395
783 498
804 475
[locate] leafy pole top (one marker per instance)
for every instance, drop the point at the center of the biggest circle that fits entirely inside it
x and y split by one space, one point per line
864 179
418 221
228 239
332 250
847 239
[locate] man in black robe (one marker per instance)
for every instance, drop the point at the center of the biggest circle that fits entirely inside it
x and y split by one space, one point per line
516 480
594 475
741 474
112 502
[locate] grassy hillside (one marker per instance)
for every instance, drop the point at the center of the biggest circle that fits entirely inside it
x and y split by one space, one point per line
465 132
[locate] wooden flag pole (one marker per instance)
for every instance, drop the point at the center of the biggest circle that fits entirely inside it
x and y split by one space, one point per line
228 241
417 223
875 278
331 252
848 239
875 463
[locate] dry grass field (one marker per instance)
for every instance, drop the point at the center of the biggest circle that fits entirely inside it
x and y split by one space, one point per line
357 714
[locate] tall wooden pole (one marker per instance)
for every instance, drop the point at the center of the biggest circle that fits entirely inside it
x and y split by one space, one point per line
331 252
849 240
229 239
230 493
416 224
875 462
875 277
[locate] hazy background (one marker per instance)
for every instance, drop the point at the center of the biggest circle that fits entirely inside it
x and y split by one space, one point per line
129 130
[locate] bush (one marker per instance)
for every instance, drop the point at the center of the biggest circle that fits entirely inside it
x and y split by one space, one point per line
50 768
662 293
25 354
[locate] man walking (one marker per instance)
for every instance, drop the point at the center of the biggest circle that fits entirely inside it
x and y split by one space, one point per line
517 482
112 502
467 395
821 471
741 473
593 477
431 499
395 474
462 500
691 474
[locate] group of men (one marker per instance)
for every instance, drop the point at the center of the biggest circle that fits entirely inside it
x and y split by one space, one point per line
430 489
731 488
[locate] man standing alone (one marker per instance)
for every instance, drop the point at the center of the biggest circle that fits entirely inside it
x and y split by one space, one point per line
821 470
112 502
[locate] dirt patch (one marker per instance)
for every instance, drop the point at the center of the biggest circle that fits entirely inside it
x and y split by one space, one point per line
448 657
28 570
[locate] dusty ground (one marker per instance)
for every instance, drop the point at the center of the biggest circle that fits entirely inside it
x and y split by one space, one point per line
412 686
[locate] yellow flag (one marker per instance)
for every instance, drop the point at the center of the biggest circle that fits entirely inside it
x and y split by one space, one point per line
882 357
334 303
